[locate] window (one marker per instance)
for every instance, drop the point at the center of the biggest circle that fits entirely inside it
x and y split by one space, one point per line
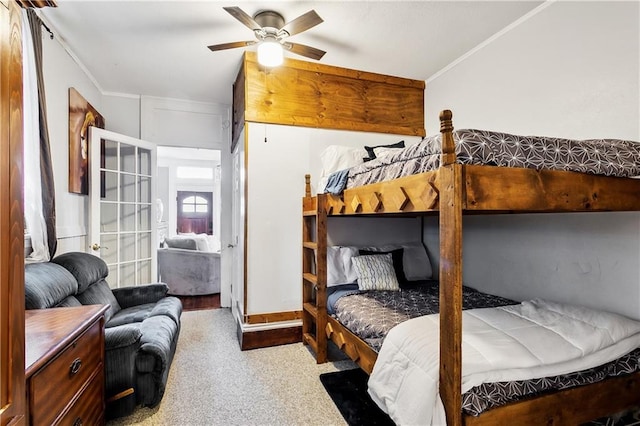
195 204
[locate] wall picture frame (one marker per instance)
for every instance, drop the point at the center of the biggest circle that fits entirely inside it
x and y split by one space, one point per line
82 115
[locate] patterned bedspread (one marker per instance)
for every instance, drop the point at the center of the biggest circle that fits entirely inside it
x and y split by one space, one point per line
608 157
490 395
371 314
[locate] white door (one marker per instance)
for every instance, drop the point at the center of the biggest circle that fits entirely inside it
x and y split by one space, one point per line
237 233
122 192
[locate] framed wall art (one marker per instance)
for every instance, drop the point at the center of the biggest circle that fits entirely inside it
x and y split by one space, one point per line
81 116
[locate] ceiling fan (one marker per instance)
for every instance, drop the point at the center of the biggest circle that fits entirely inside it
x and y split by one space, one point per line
271 33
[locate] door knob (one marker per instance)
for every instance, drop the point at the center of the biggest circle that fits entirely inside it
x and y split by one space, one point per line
95 247
230 246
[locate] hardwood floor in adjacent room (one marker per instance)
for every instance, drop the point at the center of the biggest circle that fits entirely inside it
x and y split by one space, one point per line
196 303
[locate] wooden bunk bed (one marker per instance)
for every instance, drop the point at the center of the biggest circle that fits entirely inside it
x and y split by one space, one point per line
450 191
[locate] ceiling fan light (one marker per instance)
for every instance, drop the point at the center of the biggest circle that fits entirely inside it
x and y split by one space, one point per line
270 53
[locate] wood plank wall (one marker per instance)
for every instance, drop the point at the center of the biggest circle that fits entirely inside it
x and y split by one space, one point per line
310 94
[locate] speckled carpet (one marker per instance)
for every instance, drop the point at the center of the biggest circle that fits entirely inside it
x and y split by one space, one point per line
213 382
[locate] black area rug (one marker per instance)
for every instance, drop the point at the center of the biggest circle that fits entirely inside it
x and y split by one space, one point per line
348 390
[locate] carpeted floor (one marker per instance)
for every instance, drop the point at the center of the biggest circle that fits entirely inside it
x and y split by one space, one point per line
212 382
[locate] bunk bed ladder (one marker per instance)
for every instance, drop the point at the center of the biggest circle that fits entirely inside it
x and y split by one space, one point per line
314 273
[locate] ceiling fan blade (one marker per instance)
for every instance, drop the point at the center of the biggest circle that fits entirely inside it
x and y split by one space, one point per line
303 23
302 50
231 45
241 16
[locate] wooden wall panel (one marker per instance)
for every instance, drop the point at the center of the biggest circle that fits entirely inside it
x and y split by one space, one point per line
238 107
12 386
301 93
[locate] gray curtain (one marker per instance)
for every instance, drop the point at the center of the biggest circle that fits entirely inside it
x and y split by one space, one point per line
46 167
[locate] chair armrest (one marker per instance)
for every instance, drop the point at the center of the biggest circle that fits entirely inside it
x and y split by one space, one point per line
121 336
139 295
122 345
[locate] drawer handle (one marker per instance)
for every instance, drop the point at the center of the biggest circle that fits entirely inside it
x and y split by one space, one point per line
74 368
77 422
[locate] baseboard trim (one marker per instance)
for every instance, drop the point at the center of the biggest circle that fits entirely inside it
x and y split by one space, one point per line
273 317
272 337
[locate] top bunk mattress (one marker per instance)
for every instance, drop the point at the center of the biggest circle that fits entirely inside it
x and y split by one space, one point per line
608 157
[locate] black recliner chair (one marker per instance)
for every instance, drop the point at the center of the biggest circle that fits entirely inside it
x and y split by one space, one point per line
141 326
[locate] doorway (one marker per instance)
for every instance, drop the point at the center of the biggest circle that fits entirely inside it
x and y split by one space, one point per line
195 212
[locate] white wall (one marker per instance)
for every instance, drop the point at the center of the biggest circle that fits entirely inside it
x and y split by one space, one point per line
61 73
572 70
276 172
123 112
177 122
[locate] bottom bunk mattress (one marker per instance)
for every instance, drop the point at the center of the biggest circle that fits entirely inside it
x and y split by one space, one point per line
509 353
371 314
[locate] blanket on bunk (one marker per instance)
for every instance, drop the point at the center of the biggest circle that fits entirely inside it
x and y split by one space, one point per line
609 157
371 314
519 342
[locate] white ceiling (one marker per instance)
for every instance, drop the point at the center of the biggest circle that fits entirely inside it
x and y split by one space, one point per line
159 48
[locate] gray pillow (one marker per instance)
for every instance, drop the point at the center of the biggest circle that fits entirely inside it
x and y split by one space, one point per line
182 243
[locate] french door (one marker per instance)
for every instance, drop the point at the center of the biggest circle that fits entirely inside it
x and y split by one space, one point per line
122 192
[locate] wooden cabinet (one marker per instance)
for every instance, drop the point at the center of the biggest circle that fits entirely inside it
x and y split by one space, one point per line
311 94
12 404
65 365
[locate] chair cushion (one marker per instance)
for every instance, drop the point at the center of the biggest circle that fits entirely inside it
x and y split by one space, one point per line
169 306
39 291
86 268
155 353
131 315
100 294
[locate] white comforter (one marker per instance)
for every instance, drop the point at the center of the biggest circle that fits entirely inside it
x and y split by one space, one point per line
534 339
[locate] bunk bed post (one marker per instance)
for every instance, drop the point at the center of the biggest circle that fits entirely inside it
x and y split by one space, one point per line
321 272
307 185
451 197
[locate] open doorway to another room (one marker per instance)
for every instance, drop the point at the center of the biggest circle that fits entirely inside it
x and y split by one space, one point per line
189 204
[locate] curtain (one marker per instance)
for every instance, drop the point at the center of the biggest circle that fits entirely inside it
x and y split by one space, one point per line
46 167
33 214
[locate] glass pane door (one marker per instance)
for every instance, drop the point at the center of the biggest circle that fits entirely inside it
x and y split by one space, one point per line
123 231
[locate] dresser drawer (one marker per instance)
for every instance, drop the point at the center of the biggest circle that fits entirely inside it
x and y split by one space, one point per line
55 385
87 410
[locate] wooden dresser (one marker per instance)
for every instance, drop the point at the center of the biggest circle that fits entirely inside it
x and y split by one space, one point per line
65 365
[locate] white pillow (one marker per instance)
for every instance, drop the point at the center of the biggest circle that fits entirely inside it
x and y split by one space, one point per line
346 253
339 267
382 151
375 272
338 157
335 267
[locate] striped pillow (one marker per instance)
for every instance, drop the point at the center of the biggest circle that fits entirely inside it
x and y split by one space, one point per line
375 272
